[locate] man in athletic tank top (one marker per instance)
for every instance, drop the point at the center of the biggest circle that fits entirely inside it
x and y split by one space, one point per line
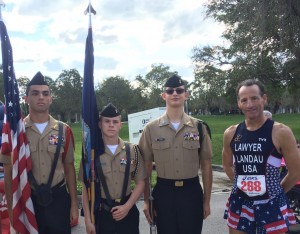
252 153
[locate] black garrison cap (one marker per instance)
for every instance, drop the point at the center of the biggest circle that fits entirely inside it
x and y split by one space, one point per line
110 111
38 79
174 81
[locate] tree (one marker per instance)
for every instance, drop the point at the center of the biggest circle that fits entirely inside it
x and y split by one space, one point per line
263 37
118 91
151 85
67 95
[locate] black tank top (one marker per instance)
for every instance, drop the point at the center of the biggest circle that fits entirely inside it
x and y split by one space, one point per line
255 154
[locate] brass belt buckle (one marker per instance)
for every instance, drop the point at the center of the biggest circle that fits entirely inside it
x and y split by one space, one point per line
179 183
118 200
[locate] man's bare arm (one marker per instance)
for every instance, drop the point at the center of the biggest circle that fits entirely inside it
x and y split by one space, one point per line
227 159
285 143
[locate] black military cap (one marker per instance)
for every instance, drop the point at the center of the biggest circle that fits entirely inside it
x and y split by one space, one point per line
38 79
110 111
174 81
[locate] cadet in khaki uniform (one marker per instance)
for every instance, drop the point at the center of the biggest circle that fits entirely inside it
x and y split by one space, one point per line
42 134
172 142
116 214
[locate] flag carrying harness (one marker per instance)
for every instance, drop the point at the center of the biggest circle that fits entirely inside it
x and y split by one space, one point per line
43 191
104 184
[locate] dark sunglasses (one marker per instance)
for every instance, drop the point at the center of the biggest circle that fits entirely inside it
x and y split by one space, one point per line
178 91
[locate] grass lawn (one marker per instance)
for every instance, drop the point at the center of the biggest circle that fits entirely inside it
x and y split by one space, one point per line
218 124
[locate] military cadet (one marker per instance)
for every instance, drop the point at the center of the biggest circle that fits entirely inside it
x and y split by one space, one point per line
117 212
54 213
179 145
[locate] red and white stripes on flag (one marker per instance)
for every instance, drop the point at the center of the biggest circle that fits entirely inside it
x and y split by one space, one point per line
15 144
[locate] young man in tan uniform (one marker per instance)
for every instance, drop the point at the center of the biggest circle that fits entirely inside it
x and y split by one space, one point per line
117 212
42 133
173 143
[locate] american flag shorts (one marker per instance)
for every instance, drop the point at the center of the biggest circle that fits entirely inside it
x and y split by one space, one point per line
268 216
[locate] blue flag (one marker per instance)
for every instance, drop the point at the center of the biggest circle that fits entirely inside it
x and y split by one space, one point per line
92 143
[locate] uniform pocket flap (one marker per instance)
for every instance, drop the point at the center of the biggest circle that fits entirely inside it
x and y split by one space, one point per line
191 144
52 149
32 148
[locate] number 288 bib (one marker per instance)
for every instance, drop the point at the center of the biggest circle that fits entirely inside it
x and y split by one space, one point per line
252 185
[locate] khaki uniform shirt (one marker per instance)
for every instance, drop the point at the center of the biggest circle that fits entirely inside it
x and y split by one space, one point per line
176 154
42 150
113 166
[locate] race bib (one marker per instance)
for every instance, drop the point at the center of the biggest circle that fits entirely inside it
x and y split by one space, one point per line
252 185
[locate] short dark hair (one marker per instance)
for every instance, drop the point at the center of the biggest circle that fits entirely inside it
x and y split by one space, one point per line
251 82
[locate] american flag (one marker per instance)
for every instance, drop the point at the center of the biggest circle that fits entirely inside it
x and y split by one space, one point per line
14 142
92 140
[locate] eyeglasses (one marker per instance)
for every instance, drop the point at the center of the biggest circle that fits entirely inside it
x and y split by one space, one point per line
178 91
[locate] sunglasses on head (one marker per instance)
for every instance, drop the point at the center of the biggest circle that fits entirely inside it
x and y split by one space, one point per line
178 91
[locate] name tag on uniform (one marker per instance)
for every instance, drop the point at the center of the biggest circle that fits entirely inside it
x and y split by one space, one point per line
160 139
252 185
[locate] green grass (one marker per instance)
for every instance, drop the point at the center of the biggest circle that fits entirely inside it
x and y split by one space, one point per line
218 124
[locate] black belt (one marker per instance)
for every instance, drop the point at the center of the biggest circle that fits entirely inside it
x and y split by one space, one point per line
55 187
178 183
116 202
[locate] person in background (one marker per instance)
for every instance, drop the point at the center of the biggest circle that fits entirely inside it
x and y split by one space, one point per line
42 132
268 114
179 145
252 153
117 212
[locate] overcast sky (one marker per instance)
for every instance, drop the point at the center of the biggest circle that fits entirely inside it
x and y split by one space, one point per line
129 35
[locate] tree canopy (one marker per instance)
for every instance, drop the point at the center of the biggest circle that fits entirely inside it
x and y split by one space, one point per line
261 40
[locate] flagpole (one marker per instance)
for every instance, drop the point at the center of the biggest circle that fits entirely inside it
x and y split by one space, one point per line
88 79
15 143
90 15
